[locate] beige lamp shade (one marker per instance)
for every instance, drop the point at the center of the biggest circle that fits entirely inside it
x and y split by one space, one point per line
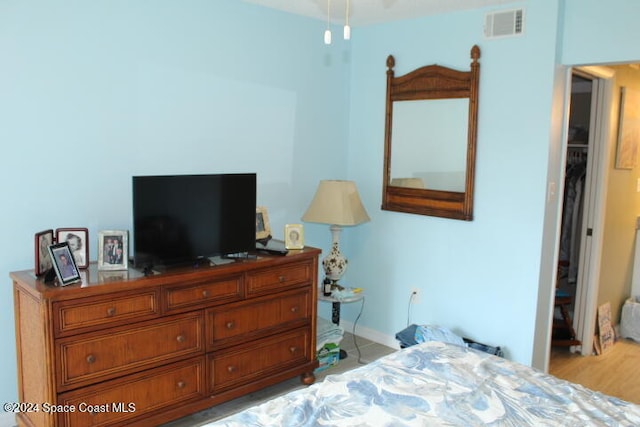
338 203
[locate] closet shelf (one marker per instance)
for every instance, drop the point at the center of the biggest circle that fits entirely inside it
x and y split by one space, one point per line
580 145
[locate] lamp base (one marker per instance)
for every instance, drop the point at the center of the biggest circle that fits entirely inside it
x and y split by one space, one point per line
335 264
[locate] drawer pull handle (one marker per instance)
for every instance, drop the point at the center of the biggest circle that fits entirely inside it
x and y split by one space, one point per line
205 294
111 311
282 279
294 309
231 325
91 358
293 349
181 384
180 338
231 369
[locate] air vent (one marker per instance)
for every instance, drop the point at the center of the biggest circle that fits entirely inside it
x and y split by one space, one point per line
504 23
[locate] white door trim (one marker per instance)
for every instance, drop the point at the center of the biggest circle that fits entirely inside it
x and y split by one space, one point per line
553 210
601 138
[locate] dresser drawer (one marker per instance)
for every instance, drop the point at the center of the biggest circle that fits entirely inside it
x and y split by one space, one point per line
258 317
259 359
204 293
96 357
115 402
276 279
74 316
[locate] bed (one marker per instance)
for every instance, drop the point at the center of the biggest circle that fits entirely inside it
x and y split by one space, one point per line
438 383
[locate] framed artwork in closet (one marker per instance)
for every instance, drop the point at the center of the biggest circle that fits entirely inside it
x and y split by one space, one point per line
628 129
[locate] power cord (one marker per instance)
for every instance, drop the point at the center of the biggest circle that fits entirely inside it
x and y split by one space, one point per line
411 297
355 342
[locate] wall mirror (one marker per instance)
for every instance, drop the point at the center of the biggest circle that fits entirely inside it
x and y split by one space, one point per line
430 140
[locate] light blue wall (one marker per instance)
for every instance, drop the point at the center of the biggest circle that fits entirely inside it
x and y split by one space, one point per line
478 278
95 92
597 32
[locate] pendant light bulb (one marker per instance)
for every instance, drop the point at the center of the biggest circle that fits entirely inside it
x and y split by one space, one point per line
347 28
327 32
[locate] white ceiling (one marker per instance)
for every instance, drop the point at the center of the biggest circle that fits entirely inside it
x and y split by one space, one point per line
364 12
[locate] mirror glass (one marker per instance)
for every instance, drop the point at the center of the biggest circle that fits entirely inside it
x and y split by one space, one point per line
429 145
430 140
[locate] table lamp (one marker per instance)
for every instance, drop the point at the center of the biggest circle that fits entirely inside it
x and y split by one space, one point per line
338 204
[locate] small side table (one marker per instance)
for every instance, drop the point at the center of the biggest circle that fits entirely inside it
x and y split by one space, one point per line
335 308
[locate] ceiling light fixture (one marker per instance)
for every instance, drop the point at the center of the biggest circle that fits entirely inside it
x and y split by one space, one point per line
327 33
347 28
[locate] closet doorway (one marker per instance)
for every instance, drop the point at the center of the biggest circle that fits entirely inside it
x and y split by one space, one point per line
583 199
573 209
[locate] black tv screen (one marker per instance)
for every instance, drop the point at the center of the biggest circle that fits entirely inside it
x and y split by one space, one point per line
181 219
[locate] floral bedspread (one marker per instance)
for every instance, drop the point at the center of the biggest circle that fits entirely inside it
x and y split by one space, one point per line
439 384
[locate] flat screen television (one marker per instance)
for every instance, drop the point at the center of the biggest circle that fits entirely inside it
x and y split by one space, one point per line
184 219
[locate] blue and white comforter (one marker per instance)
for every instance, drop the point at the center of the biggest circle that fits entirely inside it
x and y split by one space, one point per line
439 384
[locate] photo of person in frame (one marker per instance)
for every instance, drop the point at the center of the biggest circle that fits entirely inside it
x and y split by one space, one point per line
294 238
113 250
259 222
67 270
44 260
76 246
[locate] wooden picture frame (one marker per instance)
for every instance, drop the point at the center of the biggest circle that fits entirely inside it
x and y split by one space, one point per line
606 334
43 240
294 236
263 228
113 250
78 239
628 129
63 263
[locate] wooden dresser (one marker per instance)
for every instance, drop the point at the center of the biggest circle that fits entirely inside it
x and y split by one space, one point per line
124 349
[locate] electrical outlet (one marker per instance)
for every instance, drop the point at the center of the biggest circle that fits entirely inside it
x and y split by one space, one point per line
415 295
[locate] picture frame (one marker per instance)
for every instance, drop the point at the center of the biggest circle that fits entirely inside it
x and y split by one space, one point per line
78 239
63 263
43 240
628 129
606 333
294 236
113 253
263 228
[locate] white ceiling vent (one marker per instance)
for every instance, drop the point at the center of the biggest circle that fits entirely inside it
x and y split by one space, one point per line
504 23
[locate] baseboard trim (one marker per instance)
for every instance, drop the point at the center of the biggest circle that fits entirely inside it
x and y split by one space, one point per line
371 334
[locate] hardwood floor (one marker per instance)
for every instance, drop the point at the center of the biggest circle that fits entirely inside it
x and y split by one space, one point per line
614 373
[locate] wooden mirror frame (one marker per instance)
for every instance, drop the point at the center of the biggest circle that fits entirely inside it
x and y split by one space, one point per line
432 82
